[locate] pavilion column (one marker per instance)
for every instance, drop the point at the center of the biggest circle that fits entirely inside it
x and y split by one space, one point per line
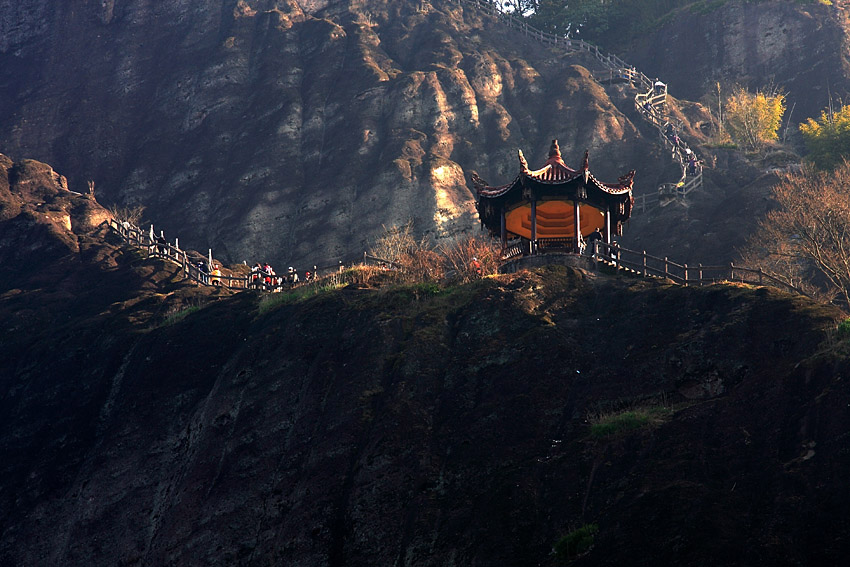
503 229
607 226
534 226
577 226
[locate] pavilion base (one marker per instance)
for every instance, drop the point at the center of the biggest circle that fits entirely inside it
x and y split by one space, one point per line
539 260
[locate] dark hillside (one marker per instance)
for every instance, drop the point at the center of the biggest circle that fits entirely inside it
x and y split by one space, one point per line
412 425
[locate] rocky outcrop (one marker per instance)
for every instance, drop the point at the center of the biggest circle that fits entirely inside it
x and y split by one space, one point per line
294 131
40 219
797 46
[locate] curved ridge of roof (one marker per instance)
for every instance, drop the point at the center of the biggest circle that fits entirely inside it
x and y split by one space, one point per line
553 172
497 191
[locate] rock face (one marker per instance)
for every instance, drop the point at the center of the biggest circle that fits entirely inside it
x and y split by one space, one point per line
41 219
800 47
294 131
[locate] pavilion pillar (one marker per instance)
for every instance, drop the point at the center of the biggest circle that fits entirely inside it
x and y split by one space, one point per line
607 234
503 230
533 226
577 226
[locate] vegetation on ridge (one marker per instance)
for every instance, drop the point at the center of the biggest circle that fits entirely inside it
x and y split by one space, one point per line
806 239
827 138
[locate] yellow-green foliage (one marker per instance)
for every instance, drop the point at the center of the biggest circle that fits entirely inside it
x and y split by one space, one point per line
828 139
753 119
576 542
607 424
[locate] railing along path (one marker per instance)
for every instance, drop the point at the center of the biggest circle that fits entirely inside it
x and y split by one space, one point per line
145 240
650 103
639 263
646 265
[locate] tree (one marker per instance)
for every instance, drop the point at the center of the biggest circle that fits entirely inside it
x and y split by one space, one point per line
583 17
469 257
128 213
828 139
415 259
518 7
753 119
805 241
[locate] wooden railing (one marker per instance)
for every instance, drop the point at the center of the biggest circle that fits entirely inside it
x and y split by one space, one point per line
191 269
599 252
612 62
368 259
514 250
563 243
647 265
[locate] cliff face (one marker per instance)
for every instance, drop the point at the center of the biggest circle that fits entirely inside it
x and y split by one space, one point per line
800 47
290 130
409 425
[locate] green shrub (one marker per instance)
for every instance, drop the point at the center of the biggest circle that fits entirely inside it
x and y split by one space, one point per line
425 289
626 421
271 300
844 328
607 424
177 316
828 138
576 542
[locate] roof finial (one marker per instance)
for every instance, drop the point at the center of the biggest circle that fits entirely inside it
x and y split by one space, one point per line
523 164
554 150
585 168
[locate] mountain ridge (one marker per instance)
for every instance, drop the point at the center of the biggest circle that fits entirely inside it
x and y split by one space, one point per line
306 127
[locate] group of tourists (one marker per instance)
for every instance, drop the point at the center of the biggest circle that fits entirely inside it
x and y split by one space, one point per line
263 276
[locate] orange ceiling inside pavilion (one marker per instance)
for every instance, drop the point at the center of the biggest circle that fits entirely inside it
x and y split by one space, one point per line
554 219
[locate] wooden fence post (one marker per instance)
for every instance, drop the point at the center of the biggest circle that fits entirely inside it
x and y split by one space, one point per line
666 271
644 262
686 274
699 272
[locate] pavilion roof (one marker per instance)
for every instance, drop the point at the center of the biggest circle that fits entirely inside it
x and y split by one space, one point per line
555 172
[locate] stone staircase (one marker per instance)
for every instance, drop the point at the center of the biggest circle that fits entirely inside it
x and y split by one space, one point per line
650 102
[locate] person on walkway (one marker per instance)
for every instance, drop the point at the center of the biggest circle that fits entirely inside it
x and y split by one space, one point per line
692 165
256 269
594 236
203 273
216 276
476 267
160 245
669 130
268 272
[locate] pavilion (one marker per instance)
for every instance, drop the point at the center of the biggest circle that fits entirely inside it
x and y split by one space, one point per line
553 208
